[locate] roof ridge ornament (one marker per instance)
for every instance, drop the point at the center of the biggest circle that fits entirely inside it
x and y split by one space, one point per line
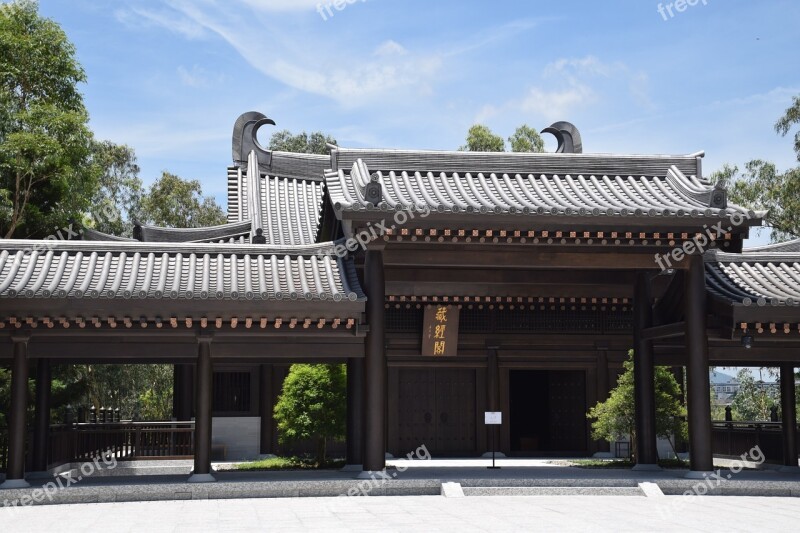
568 137
245 140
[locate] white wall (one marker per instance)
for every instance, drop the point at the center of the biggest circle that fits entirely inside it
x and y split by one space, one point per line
241 437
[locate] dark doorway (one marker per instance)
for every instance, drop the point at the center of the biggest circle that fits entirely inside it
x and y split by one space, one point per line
547 412
437 409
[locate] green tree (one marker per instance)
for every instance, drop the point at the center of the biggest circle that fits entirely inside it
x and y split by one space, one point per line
139 391
178 203
614 418
46 173
118 199
481 139
789 119
302 143
755 399
526 139
313 405
761 187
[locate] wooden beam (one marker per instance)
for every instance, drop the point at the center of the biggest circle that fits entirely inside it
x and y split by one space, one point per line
667 331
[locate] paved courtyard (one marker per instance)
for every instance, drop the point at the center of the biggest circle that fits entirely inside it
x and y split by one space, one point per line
419 513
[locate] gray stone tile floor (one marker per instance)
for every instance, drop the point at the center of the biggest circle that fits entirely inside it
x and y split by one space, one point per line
418 514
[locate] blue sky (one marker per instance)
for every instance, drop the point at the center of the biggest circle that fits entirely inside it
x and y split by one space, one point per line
169 77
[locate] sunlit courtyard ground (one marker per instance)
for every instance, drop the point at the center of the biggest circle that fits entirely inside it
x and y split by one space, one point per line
419 513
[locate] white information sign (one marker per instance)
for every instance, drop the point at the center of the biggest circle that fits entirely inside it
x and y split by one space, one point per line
493 419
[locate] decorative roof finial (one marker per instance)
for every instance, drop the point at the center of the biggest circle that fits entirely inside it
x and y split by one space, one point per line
245 140
568 137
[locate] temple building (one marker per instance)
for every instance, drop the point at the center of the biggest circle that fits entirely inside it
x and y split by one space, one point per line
451 284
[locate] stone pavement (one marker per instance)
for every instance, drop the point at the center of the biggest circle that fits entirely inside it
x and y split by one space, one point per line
421 478
418 514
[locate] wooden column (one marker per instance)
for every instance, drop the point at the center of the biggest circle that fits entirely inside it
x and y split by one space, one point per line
789 418
355 412
375 364
265 407
603 446
15 470
183 397
202 428
41 431
493 398
697 385
644 378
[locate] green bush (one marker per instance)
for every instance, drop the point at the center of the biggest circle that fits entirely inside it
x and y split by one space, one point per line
313 405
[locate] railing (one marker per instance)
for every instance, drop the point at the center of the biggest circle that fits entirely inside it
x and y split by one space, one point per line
3 449
123 440
738 438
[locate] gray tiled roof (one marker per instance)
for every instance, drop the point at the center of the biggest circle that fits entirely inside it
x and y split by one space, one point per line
524 184
768 276
89 234
235 233
122 270
286 203
788 246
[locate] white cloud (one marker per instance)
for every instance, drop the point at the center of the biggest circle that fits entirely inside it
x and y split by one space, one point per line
568 85
555 105
283 5
144 18
196 77
352 78
390 48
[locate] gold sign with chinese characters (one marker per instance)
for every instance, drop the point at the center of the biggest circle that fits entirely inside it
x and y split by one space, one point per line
440 331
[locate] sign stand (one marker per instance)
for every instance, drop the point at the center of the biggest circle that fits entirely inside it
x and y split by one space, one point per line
493 419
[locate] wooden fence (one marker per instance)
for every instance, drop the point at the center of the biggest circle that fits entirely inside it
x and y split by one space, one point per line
738 438
122 440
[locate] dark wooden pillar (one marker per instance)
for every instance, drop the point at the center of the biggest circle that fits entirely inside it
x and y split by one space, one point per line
355 412
493 398
41 430
644 378
15 469
697 385
265 407
603 446
375 364
182 397
789 418
202 428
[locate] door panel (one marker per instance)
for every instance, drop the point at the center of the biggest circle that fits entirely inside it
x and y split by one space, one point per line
437 408
416 417
455 405
567 410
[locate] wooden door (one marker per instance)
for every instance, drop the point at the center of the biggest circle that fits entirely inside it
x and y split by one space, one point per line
436 408
416 406
455 409
567 410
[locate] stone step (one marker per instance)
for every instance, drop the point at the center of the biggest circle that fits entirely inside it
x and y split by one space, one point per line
553 491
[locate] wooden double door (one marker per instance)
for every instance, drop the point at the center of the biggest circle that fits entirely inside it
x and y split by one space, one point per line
436 407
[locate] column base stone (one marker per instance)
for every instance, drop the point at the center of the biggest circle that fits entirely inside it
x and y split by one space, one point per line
201 478
698 474
10 484
642 467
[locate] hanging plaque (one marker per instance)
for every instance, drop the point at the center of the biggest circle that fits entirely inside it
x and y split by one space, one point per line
440 331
